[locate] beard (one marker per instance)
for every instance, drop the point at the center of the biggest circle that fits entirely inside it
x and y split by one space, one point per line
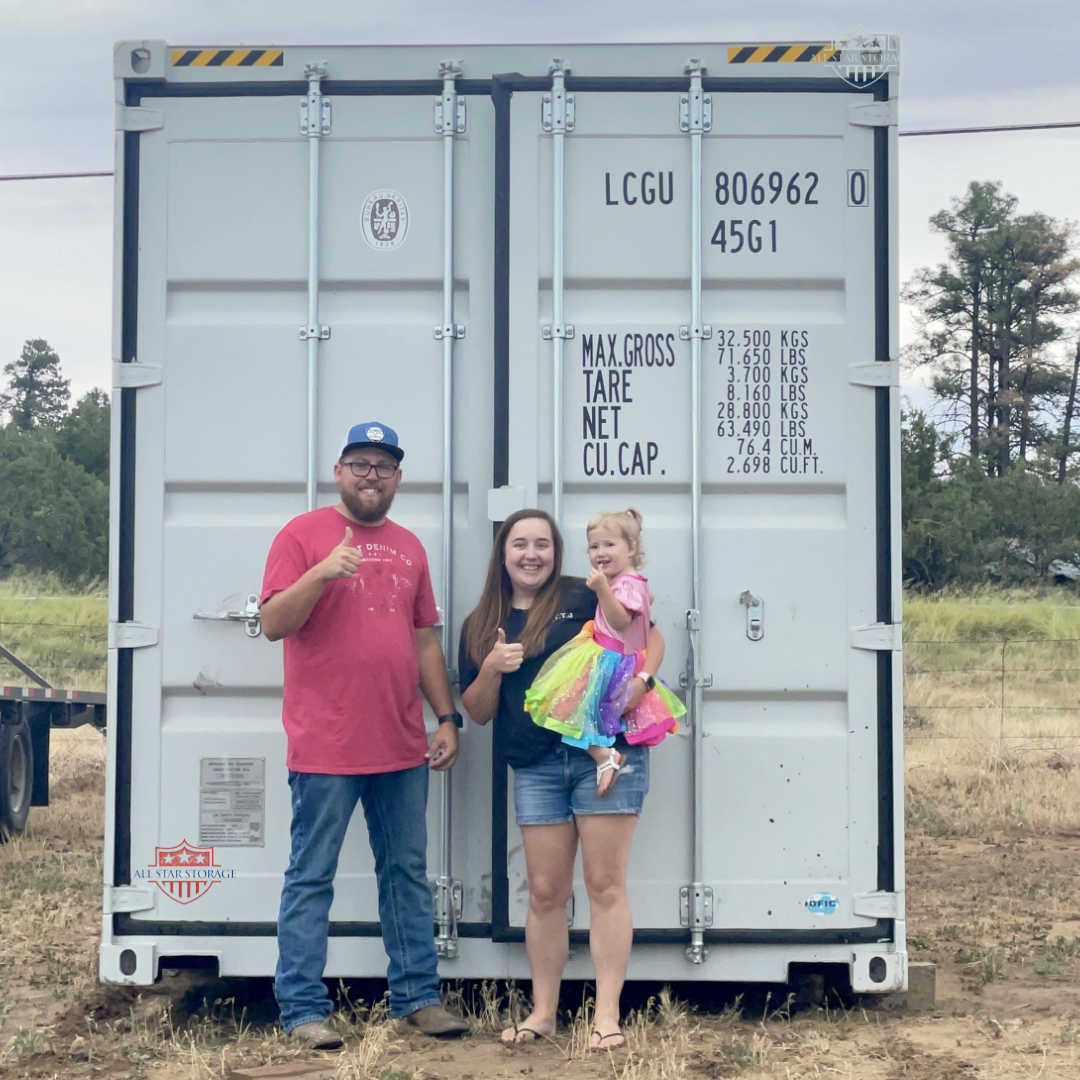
367 512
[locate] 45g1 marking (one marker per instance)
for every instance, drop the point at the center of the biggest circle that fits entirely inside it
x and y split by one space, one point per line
732 233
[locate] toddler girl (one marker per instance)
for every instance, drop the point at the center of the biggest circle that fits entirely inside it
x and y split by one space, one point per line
583 688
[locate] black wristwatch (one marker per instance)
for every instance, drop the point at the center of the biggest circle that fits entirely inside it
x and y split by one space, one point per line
452 717
650 682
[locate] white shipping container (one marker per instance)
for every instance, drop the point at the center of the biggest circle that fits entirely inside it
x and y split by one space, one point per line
651 275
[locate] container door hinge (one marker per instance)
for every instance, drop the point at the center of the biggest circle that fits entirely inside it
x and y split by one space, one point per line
557 108
878 373
135 376
136 118
878 905
119 898
879 114
132 635
878 637
320 332
696 906
695 107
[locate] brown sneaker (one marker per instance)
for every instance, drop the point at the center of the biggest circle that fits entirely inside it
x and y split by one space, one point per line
316 1035
435 1020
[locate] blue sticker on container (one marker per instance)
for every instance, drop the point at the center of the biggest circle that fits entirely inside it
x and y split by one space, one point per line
822 903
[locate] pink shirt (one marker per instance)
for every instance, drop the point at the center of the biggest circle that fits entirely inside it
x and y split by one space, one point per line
352 703
632 591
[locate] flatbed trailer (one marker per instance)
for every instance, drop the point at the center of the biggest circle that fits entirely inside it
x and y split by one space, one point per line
27 716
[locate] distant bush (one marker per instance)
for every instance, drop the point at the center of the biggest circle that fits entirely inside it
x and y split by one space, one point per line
963 527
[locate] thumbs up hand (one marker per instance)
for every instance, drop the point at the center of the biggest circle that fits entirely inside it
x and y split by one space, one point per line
504 658
343 561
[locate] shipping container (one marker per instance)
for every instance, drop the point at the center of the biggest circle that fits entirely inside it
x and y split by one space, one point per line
578 277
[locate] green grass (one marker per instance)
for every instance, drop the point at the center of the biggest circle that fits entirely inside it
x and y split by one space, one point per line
992 614
60 632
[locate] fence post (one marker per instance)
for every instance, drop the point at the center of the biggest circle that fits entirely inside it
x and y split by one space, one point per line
1001 722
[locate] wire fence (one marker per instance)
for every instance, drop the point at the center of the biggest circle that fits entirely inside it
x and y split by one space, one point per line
1009 688
954 689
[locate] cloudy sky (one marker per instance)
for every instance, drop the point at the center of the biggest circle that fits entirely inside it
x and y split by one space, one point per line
965 63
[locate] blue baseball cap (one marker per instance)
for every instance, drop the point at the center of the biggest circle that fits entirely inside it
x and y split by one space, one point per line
374 434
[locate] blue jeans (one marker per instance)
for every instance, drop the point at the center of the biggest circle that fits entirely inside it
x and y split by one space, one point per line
562 786
395 805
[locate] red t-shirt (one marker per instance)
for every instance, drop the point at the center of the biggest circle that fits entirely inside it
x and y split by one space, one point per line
352 678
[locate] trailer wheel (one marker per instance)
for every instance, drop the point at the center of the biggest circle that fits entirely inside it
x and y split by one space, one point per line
16 777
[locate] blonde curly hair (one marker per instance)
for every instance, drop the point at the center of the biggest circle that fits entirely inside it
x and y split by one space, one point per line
627 522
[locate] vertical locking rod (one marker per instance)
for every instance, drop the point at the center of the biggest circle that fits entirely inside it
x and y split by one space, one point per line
446 939
314 73
558 118
694 121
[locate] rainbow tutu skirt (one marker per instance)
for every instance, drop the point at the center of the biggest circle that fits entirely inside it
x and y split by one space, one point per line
582 690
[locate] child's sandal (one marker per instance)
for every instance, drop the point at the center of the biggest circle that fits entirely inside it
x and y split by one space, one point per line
613 765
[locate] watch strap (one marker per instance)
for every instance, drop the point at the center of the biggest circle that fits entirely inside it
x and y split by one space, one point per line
454 717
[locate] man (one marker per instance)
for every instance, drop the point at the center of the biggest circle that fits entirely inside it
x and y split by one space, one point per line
350 593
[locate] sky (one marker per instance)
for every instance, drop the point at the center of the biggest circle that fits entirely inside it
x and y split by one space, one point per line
964 63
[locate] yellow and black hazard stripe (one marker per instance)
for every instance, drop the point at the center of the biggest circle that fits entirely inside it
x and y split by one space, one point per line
781 54
228 57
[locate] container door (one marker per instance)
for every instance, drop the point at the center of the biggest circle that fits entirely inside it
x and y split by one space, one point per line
221 457
789 528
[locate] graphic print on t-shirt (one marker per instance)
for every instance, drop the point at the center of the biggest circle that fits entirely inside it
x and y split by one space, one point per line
383 582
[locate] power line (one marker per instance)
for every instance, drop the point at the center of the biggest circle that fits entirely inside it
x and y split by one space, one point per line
927 131
1004 127
54 175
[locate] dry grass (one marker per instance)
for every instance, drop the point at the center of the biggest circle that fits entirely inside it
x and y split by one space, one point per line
994 897
992 714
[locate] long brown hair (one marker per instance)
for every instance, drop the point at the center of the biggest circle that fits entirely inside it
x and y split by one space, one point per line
493 609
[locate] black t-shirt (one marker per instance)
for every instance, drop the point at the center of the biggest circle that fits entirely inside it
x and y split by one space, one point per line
518 741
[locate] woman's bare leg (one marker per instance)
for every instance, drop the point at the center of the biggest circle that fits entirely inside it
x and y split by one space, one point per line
549 860
605 853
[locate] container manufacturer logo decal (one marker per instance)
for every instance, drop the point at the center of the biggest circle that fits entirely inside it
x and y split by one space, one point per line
385 220
822 903
184 872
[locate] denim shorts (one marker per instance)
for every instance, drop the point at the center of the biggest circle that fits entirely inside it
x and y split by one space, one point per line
562 785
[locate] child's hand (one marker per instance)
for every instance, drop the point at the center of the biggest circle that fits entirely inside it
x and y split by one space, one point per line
596 580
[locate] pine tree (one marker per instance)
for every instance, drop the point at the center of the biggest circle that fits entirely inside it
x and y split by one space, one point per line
988 318
37 395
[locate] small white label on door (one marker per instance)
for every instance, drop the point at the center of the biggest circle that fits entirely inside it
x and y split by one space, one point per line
232 801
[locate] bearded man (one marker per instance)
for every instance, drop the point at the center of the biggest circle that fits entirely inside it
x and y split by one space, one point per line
350 593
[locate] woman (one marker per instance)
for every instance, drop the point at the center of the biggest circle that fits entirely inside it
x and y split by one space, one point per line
526 612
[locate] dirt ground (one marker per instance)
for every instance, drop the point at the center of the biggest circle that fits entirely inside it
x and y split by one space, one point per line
1000 917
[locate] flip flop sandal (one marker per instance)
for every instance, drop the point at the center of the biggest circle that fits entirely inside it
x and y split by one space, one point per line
517 1040
611 765
612 1035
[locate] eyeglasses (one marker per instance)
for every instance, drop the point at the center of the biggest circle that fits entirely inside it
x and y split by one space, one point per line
383 470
